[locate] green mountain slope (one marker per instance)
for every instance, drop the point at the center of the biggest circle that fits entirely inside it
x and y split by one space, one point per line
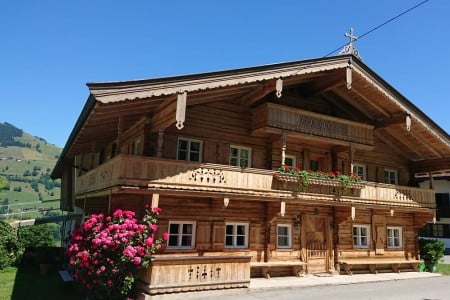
26 162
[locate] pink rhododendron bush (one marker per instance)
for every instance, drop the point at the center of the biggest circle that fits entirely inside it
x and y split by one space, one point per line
107 252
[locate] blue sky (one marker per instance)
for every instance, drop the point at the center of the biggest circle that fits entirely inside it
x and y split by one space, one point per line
50 49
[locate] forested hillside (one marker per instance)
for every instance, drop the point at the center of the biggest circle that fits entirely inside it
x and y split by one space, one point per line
26 162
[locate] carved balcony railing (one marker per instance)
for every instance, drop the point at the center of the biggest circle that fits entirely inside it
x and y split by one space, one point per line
360 192
151 172
212 179
269 117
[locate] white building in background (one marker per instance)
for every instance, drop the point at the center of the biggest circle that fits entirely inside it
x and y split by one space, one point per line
441 228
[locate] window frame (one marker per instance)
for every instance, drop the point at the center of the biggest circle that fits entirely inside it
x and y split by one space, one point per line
359 236
392 238
180 235
391 171
235 235
289 236
364 169
239 148
188 154
293 158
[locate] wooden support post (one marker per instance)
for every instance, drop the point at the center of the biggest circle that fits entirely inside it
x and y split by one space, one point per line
283 149
159 151
283 208
348 75
181 110
155 200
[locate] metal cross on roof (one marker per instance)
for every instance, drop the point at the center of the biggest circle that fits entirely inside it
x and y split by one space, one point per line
351 36
349 48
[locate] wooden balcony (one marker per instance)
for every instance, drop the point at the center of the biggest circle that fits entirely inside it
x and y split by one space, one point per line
212 179
270 118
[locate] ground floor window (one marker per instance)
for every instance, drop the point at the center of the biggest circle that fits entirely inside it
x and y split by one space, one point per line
181 235
394 237
284 236
236 235
361 236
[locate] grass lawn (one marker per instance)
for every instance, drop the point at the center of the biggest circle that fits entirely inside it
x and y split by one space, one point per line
443 269
18 284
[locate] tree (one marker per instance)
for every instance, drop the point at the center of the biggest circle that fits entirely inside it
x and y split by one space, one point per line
3 183
9 246
35 236
431 251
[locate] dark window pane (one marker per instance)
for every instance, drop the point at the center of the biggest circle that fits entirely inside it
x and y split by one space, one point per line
229 229
229 241
240 229
182 145
186 240
240 241
172 240
182 155
282 230
194 156
195 146
244 154
283 241
187 229
173 228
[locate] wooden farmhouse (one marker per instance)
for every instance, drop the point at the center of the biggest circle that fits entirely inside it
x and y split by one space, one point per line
239 163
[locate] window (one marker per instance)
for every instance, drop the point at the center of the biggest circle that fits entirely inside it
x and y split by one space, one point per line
181 235
284 236
394 237
359 170
361 236
189 150
314 165
236 235
240 156
390 176
289 160
438 230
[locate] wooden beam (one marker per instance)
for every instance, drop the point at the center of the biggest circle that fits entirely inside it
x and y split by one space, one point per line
370 102
392 120
431 165
396 146
322 86
359 106
165 115
258 93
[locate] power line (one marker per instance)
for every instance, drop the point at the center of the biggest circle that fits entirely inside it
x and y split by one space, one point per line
381 25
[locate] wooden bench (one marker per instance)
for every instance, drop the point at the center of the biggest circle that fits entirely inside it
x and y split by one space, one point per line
297 266
373 263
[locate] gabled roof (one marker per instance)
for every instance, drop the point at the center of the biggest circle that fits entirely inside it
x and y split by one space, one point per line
378 103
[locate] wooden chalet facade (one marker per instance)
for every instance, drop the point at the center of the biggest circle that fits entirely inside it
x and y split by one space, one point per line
206 148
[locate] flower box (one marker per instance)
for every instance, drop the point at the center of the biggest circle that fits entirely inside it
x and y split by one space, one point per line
317 181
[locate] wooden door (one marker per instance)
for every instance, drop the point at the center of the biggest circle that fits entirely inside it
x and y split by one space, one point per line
316 243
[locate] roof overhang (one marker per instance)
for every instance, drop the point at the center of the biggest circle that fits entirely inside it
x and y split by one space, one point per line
114 104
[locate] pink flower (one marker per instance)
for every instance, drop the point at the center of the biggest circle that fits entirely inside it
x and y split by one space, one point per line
149 241
154 227
165 236
118 213
156 210
137 260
